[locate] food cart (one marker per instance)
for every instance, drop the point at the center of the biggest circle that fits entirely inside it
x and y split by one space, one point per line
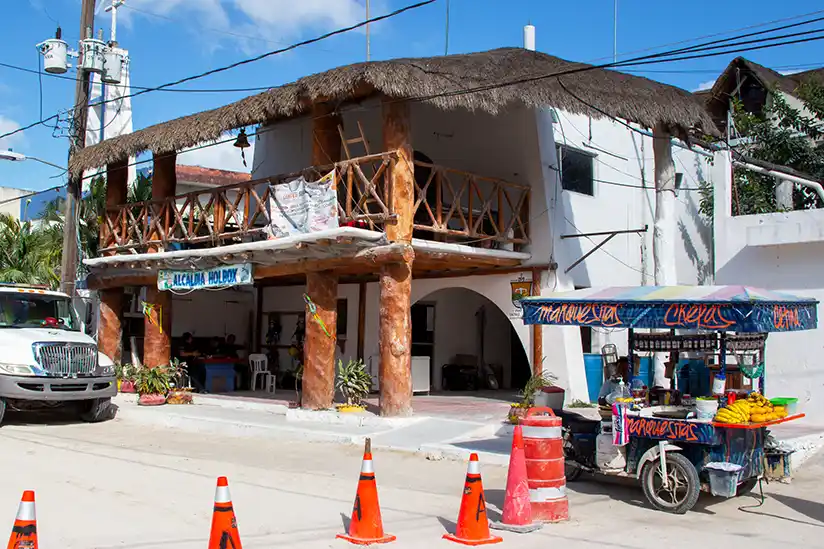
672 452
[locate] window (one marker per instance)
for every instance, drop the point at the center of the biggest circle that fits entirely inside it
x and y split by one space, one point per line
576 171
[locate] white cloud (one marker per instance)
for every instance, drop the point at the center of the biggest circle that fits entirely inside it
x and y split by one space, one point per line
276 21
704 85
220 157
8 125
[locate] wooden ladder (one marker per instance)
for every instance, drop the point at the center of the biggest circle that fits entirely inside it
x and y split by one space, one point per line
365 201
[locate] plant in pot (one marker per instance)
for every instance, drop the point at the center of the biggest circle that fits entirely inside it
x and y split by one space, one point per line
535 385
180 392
298 373
152 384
354 383
125 377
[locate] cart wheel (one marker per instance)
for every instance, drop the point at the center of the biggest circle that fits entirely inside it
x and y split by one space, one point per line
572 472
683 485
747 486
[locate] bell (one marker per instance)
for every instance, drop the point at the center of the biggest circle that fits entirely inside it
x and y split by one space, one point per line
242 142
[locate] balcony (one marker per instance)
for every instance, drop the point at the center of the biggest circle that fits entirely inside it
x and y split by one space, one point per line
449 206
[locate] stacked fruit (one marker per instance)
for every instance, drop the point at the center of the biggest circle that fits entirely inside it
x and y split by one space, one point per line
755 409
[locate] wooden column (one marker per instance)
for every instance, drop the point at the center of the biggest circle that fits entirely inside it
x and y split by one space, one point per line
157 346
396 278
537 330
321 287
117 176
109 329
319 346
164 183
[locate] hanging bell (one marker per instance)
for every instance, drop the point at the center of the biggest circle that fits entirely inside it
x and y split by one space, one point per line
242 141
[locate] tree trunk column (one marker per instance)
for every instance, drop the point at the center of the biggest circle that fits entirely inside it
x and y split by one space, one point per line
663 240
117 177
164 185
395 372
157 341
395 339
319 346
109 330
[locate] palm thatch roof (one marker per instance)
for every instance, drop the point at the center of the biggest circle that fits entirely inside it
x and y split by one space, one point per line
440 81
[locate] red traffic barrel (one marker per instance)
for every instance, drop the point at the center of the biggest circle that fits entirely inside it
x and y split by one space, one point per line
544 452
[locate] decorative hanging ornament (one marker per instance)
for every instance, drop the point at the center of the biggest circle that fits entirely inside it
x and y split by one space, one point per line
242 143
313 310
148 308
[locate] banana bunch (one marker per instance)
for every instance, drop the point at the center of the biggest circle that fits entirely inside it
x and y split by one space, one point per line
754 409
762 410
737 412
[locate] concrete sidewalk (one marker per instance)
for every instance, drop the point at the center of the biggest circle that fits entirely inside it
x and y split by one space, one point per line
434 437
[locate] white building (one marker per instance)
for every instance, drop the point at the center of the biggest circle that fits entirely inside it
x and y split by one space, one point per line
10 201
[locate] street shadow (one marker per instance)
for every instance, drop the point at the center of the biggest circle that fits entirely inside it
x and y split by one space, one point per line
497 445
56 417
495 504
810 509
449 525
346 521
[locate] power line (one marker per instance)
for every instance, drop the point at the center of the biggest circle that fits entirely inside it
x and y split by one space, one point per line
256 58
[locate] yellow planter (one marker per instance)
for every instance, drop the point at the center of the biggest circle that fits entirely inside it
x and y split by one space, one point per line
343 408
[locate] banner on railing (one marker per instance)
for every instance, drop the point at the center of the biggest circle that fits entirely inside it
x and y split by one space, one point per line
218 277
299 206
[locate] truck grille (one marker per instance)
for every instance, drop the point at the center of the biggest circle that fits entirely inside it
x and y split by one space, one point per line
66 358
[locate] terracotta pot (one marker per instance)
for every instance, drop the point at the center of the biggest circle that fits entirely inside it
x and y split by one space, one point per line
151 400
126 386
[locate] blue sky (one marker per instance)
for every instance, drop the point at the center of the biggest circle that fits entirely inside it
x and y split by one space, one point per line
184 37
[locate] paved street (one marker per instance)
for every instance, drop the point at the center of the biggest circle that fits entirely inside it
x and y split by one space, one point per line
121 485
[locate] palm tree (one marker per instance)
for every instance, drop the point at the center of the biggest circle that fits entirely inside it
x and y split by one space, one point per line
28 254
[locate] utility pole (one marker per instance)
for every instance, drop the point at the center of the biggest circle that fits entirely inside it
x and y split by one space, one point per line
68 267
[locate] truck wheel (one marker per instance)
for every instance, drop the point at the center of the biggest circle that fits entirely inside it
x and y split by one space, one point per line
95 411
682 490
2 409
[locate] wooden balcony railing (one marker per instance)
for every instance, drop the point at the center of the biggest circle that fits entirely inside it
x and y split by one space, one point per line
476 210
459 206
239 212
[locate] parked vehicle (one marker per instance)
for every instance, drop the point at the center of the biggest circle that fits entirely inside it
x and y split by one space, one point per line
45 360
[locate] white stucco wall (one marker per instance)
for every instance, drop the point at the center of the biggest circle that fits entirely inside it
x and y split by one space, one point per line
779 251
13 206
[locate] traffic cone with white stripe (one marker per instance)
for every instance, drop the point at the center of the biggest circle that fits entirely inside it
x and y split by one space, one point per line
517 514
224 533
366 525
24 532
473 525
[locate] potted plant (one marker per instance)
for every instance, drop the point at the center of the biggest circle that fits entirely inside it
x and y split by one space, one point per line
533 387
152 384
179 391
354 383
125 377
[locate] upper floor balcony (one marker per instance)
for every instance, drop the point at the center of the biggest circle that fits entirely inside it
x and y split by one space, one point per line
449 206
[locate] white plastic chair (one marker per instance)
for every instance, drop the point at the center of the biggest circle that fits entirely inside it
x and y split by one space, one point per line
259 366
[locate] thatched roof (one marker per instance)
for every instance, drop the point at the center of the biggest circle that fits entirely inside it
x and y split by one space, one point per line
435 80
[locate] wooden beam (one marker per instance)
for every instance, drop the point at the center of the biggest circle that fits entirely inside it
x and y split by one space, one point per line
365 260
537 330
97 281
473 271
397 135
110 331
319 349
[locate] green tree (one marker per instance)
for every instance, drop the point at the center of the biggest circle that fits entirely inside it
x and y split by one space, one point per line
783 135
28 254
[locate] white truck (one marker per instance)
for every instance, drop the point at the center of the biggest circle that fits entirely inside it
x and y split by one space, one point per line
46 361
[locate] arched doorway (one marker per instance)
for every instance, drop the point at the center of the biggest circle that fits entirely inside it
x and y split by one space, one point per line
462 331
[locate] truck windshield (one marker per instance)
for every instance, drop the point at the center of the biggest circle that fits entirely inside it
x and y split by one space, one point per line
18 310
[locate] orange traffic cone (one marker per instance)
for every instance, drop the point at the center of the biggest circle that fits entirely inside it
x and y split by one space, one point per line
473 526
517 515
224 525
24 532
366 526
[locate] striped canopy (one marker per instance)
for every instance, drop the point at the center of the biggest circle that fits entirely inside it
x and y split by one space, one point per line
717 308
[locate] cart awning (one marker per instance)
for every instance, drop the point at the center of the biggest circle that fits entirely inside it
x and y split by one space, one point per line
716 308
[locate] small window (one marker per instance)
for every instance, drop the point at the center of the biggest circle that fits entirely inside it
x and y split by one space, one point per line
343 318
576 171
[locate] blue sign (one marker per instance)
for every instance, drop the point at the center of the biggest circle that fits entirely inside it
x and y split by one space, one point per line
219 277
